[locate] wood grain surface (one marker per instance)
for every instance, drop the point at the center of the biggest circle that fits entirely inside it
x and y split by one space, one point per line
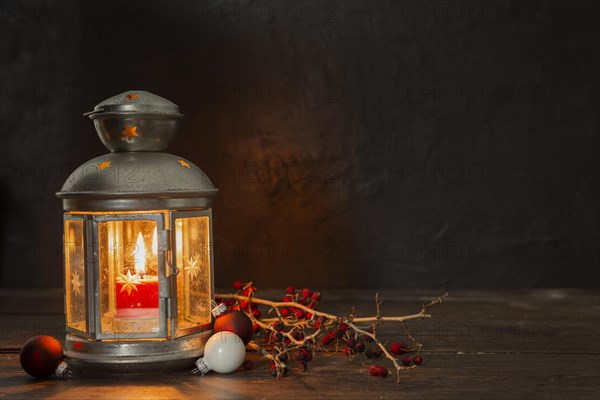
513 344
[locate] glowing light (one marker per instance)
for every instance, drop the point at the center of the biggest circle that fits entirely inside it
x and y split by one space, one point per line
140 252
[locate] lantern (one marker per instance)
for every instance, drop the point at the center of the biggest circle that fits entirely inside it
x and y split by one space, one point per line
137 245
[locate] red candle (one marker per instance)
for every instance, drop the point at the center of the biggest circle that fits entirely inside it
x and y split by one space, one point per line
137 297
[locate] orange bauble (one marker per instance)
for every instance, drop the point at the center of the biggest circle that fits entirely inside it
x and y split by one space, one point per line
41 355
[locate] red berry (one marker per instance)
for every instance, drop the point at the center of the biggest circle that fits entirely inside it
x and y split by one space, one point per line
381 371
351 342
290 290
373 369
399 348
278 326
283 357
278 337
406 360
309 315
299 314
418 360
248 365
288 299
306 293
237 285
360 347
255 328
366 338
316 296
307 356
348 351
273 368
343 327
328 339
299 355
298 335
285 312
256 313
243 304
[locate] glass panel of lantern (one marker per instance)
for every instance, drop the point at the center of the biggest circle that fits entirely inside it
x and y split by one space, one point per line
75 278
193 258
129 270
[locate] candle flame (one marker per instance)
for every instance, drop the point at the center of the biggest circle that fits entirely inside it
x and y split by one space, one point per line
140 253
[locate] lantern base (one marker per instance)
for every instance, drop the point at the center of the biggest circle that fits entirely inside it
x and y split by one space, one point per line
134 357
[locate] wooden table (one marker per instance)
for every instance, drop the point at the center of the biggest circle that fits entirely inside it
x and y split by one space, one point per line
513 344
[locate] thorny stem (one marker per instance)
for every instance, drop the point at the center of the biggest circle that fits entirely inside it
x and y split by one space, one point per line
350 320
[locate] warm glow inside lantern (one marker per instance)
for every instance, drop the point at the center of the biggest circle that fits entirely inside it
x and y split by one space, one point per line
138 259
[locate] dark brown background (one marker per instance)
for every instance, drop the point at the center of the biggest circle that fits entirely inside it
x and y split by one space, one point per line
355 143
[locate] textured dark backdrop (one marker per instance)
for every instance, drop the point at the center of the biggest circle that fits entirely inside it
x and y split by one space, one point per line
355 143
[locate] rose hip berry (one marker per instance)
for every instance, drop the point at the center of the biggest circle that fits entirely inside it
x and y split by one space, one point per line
399 348
316 296
299 355
360 347
418 360
285 312
306 293
381 371
299 314
290 290
328 339
373 369
278 326
308 356
406 360
237 285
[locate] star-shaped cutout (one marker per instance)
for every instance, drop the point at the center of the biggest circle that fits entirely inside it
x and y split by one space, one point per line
129 282
75 284
104 164
193 266
131 96
184 163
130 132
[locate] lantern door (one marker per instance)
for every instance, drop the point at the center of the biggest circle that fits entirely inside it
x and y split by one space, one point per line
131 292
192 266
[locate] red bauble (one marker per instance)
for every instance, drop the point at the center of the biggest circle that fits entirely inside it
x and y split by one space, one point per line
41 355
236 322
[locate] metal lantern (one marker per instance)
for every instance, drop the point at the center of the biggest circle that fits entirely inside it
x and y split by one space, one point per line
137 236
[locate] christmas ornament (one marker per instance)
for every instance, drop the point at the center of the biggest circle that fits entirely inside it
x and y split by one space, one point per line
42 356
233 321
224 352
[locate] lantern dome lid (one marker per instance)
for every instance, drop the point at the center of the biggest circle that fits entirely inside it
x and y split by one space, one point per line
137 174
135 102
